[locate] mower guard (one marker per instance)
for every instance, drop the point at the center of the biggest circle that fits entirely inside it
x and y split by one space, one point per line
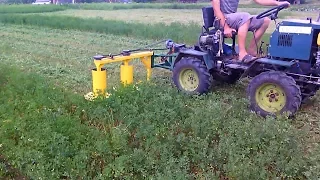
197 54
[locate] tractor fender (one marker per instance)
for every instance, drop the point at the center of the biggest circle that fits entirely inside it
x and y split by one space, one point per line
194 53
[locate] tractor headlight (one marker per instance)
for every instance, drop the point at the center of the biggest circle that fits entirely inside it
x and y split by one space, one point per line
318 40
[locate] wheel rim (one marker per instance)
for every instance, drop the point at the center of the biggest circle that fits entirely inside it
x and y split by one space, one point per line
189 79
271 97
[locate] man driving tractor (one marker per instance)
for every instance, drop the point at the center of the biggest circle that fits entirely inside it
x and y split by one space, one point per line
242 22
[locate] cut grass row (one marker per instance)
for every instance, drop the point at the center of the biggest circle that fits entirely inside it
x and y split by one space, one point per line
154 132
160 31
117 6
153 16
27 8
5 9
180 33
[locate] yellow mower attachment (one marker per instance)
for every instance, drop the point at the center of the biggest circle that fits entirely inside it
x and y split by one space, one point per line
99 74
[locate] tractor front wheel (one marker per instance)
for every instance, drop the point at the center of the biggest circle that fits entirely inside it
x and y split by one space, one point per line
274 93
190 75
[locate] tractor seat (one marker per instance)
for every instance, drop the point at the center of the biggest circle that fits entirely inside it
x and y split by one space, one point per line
208 18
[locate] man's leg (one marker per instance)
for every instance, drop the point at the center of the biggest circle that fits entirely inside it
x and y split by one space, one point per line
261 25
242 37
240 21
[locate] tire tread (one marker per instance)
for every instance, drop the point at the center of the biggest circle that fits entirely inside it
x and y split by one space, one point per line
204 74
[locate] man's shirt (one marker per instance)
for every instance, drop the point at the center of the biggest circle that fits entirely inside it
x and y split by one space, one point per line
229 6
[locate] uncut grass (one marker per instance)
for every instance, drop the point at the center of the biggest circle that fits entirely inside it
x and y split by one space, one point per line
154 132
6 9
56 47
41 131
8 172
66 57
28 8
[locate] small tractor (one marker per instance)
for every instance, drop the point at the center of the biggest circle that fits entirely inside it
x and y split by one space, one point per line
286 73
283 76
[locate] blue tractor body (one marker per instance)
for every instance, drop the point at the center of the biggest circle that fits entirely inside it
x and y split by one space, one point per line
295 40
286 73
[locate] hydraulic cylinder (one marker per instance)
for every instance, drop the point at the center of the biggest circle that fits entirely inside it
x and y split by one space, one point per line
99 81
126 73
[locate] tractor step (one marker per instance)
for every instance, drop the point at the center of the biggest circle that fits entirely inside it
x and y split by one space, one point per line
237 66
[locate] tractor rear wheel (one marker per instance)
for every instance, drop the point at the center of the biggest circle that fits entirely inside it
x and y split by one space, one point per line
274 93
190 75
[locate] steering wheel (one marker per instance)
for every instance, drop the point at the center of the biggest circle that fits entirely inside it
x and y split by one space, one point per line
273 12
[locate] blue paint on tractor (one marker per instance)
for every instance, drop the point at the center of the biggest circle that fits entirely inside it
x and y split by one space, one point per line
276 62
293 39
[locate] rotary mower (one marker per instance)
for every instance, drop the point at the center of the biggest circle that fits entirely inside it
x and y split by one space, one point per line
286 73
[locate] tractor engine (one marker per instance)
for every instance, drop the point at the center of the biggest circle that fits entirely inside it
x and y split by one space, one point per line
213 42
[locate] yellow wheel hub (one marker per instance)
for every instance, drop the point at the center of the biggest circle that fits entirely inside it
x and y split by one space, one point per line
270 97
189 79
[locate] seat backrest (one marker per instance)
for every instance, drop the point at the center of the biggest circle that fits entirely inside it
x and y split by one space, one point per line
208 16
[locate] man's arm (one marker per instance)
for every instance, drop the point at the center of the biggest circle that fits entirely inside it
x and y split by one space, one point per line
271 2
218 13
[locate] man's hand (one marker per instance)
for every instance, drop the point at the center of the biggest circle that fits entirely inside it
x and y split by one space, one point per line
283 2
228 32
271 2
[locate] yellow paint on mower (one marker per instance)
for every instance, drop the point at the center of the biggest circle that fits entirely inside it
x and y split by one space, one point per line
99 74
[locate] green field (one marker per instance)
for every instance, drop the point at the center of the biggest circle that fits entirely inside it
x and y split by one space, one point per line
49 131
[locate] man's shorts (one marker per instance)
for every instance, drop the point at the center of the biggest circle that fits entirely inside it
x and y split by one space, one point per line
235 20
